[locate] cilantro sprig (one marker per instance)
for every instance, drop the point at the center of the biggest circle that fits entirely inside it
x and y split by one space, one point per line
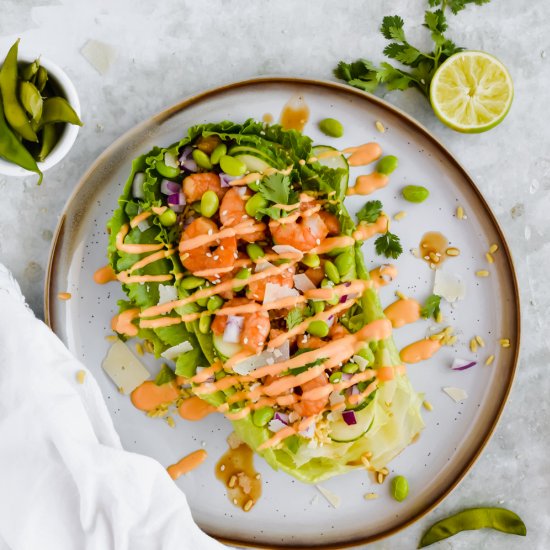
370 212
294 318
431 307
366 75
388 245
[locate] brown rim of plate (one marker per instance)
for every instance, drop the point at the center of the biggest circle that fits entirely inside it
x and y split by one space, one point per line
164 115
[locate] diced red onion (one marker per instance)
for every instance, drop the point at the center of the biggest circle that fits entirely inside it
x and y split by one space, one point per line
168 187
276 425
343 299
226 178
309 432
137 185
354 390
330 321
463 364
283 417
233 329
346 376
349 418
176 202
186 160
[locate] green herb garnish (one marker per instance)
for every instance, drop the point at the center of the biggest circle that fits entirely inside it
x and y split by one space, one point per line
388 245
370 212
431 307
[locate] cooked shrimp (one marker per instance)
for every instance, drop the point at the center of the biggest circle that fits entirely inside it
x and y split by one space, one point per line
256 289
309 407
232 212
304 234
195 185
331 221
219 255
255 328
310 342
338 331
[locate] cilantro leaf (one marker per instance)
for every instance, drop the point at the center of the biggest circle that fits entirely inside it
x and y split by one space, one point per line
271 211
276 188
388 245
457 5
392 28
431 307
165 375
370 212
294 318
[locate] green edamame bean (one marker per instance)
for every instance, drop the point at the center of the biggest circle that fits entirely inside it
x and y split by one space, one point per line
318 306
31 99
325 283
220 374
168 218
345 264
204 324
196 206
168 172
366 353
311 260
415 193
191 282
473 519
335 377
218 153
399 488
209 203
202 302
232 166
254 204
254 186
254 251
48 139
350 368
318 328
243 273
202 159
331 127
214 302
262 416
331 272
386 165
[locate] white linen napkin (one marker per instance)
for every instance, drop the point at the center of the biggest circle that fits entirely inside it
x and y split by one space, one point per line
65 481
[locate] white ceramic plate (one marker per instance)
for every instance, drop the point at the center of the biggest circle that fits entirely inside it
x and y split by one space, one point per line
290 513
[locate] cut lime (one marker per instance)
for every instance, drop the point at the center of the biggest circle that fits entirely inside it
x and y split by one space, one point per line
471 92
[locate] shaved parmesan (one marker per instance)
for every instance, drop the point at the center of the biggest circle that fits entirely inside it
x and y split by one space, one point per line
267 357
124 368
456 394
262 266
333 498
336 397
302 282
361 361
274 292
167 293
286 249
449 286
99 55
173 352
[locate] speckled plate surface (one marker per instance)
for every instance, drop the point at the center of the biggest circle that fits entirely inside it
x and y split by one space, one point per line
290 513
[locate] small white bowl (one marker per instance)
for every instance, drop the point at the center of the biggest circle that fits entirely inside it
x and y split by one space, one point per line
65 88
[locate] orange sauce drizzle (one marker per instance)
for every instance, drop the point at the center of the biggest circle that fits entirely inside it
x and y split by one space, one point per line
419 351
195 409
367 184
122 323
148 396
104 275
187 464
383 275
366 231
402 312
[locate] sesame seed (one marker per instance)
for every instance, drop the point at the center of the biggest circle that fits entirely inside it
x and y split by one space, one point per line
489 359
482 273
258 476
80 375
370 496
64 296
493 248
489 258
452 251
380 127
245 340
399 216
460 213
451 341
216 257
434 258
480 341
224 212
427 405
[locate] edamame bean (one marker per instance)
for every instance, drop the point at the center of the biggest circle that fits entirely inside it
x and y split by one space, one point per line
366 353
345 264
254 204
209 203
232 166
318 306
386 165
204 324
335 377
214 303
254 186
202 159
168 218
415 193
254 251
331 127
243 273
473 519
168 172
318 328
203 301
218 153
262 416
350 368
196 206
311 260
325 283
399 488
331 272
191 282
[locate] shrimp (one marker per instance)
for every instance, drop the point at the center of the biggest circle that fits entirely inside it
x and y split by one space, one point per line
338 331
310 407
219 255
255 327
195 185
310 342
256 289
331 221
232 212
304 234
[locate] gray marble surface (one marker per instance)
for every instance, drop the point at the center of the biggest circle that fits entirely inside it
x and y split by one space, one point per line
167 50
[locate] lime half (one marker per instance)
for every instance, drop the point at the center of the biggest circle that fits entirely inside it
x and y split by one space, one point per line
471 92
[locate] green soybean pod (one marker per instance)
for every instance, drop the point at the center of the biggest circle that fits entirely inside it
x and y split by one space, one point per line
209 203
261 416
48 139
254 251
331 127
202 159
214 302
415 193
243 273
318 328
472 519
41 78
335 377
204 324
203 301
399 488
311 260
386 165
254 204
318 306
31 99
191 282
168 218
232 166
350 368
345 264
218 153
58 109
331 272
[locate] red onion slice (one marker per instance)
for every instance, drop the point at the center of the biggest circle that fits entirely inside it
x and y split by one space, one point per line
349 418
463 364
168 187
233 329
226 178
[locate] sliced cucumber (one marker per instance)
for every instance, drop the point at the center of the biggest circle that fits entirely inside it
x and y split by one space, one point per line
254 164
342 433
334 162
247 150
225 349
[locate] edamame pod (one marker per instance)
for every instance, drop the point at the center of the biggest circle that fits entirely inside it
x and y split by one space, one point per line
331 272
29 71
31 99
58 109
345 264
41 79
48 139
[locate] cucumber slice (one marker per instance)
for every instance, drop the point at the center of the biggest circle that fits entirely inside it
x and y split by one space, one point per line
254 164
225 349
342 433
334 162
247 150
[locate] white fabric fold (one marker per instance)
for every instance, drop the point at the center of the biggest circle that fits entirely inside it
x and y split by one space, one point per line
65 481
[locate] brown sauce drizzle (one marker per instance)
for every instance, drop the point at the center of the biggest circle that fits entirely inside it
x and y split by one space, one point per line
432 248
295 114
